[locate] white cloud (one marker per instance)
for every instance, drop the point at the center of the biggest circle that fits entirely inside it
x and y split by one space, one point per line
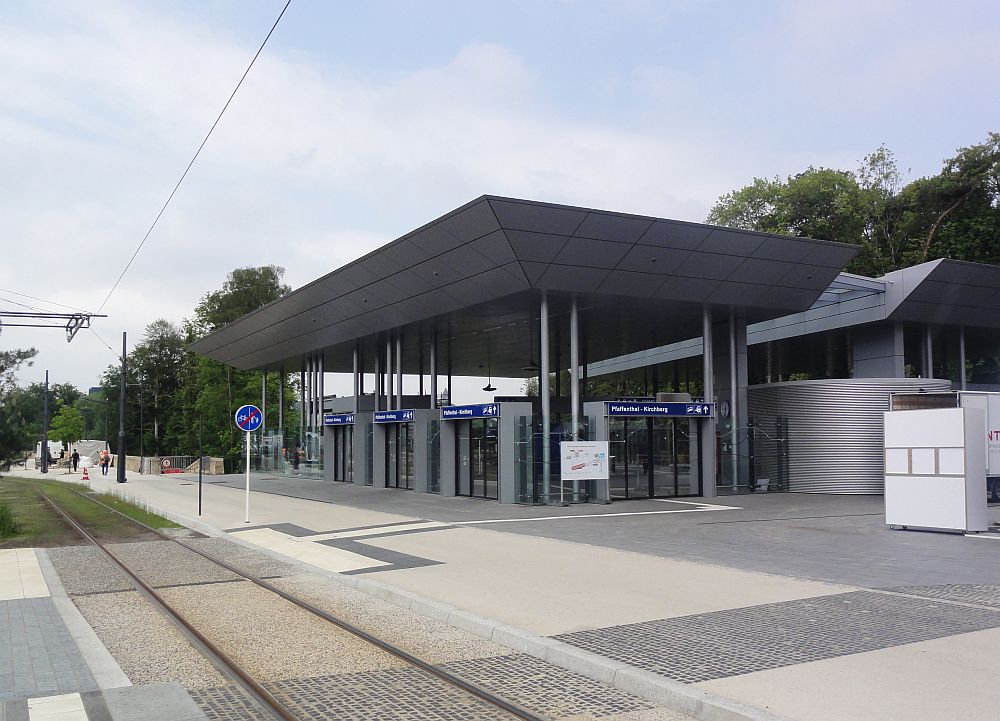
312 166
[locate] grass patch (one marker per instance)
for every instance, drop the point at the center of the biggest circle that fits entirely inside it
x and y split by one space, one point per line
137 510
8 526
39 525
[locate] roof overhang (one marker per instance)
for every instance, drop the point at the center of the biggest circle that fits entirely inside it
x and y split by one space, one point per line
951 292
474 277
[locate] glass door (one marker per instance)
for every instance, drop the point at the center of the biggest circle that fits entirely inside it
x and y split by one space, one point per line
617 475
405 464
662 456
651 458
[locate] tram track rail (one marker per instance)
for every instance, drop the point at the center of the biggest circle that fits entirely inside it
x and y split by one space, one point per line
232 670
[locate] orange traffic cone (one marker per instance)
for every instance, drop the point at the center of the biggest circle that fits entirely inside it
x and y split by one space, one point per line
85 476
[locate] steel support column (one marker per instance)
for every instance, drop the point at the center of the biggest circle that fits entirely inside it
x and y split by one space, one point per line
263 401
706 430
543 390
734 398
434 371
355 376
399 369
574 381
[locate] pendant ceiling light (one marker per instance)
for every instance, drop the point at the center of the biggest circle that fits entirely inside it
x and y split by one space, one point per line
489 388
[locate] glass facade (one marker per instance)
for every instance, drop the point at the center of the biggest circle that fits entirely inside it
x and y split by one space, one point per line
651 458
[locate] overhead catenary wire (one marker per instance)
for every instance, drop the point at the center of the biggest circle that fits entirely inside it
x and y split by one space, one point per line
193 159
40 300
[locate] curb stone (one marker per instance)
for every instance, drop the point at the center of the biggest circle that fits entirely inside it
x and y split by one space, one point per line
103 667
674 695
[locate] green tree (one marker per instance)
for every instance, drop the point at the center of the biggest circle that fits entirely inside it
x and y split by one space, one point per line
156 364
210 392
954 214
67 425
15 436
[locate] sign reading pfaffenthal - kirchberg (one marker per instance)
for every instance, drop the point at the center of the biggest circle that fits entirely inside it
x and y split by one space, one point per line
584 461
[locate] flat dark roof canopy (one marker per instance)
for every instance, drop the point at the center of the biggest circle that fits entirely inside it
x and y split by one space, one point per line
474 278
946 292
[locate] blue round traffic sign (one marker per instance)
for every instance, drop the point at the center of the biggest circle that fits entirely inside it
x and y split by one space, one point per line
248 418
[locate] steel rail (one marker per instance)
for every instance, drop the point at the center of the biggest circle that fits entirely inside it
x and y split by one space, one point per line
222 661
469 687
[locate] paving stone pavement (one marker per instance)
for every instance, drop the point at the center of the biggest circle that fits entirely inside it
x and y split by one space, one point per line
714 645
978 594
408 693
38 657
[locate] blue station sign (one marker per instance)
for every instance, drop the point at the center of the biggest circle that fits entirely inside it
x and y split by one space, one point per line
642 408
476 410
338 419
402 416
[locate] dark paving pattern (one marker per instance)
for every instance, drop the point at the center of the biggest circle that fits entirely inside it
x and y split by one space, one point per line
400 693
226 704
980 595
738 641
546 689
408 693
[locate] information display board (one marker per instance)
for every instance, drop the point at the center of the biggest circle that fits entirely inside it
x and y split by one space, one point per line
584 460
338 419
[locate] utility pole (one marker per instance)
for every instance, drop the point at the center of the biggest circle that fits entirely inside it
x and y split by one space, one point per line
45 425
121 417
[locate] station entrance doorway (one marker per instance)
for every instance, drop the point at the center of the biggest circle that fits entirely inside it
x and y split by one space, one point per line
343 453
477 460
654 455
399 455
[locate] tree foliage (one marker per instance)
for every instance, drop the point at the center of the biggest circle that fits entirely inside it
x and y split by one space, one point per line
177 398
15 429
67 425
954 214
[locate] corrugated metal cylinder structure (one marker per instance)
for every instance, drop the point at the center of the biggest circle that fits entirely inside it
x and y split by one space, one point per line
835 428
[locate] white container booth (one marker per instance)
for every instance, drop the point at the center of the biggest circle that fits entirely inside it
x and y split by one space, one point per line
654 447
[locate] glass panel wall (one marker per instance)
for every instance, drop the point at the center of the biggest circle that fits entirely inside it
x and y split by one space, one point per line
434 457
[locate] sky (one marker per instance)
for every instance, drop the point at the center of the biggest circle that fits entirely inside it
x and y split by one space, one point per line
362 121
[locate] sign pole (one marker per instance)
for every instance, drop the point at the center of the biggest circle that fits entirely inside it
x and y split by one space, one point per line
201 461
248 480
248 419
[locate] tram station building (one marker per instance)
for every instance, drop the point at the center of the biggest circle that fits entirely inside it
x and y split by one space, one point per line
763 366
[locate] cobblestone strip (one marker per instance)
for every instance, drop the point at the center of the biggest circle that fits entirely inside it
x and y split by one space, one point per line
743 640
979 595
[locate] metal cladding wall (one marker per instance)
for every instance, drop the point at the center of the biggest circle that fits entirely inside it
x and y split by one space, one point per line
835 428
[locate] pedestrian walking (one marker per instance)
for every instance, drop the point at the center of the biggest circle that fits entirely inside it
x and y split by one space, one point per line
296 459
75 458
105 462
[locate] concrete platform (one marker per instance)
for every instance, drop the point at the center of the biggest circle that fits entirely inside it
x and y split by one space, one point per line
761 600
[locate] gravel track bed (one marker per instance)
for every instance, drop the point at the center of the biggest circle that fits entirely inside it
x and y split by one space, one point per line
164 563
246 559
84 570
427 638
146 645
270 637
